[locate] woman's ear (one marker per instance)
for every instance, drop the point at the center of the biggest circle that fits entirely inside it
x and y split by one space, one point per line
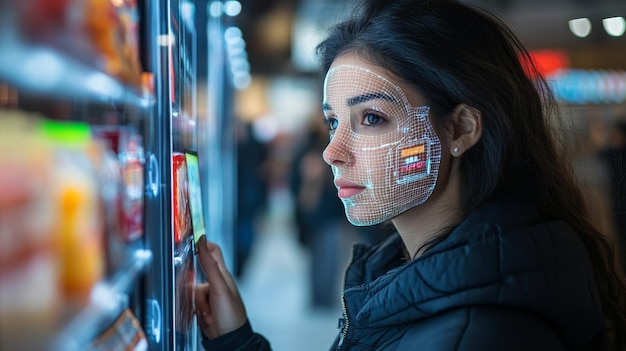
466 127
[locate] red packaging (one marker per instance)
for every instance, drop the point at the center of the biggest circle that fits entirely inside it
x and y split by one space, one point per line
133 176
182 216
129 148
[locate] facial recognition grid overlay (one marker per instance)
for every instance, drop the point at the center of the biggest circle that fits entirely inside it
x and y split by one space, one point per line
387 150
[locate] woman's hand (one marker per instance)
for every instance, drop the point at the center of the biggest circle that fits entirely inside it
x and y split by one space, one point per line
219 307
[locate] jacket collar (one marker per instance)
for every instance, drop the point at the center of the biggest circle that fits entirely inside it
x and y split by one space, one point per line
501 255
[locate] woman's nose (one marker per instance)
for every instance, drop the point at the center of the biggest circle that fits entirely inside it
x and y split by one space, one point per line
336 152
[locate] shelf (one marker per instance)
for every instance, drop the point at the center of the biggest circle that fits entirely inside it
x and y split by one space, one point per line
44 71
108 299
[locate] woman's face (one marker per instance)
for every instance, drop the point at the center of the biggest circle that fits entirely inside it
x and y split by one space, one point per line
383 150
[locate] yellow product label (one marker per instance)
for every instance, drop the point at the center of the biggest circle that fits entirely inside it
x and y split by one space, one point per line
412 151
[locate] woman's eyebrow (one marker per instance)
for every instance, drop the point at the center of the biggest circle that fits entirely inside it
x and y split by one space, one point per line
369 96
361 99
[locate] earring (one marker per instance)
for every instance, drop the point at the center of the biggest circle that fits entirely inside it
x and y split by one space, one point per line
455 150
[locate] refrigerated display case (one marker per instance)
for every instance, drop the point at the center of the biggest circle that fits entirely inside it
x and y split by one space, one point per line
105 92
74 101
169 320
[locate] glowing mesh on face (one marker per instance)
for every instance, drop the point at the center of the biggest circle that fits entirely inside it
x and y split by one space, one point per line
379 142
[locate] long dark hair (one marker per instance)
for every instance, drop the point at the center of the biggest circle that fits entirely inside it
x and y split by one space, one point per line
453 53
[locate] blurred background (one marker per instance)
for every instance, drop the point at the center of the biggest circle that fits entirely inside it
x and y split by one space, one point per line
124 102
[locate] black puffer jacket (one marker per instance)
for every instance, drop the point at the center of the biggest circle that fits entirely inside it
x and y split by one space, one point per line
502 280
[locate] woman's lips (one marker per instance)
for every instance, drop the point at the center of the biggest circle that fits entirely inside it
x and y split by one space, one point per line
348 189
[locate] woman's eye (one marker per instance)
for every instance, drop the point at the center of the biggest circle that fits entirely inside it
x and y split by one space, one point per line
371 119
331 122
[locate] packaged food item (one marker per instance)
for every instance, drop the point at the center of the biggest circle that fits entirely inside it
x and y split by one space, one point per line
30 291
132 161
127 145
41 21
125 334
112 27
63 224
103 34
109 177
182 216
147 85
80 222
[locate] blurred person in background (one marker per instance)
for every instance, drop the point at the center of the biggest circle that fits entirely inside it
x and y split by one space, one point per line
252 191
319 218
613 154
435 126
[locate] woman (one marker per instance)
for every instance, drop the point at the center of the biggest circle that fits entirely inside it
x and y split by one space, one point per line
435 126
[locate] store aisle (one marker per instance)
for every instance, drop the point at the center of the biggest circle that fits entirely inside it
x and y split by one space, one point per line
275 286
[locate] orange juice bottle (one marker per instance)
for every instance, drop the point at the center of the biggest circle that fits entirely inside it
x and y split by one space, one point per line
80 222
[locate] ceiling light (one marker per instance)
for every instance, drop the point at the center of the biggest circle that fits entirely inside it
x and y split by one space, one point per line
232 33
215 9
614 26
581 27
232 8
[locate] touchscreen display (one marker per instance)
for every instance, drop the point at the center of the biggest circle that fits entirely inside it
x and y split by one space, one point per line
195 196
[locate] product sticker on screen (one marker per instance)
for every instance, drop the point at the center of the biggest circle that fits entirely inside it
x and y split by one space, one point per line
195 196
